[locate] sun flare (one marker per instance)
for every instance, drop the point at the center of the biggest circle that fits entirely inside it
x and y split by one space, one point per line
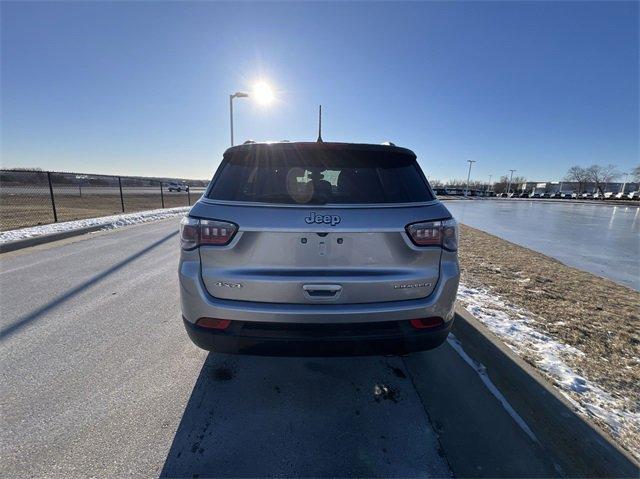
262 93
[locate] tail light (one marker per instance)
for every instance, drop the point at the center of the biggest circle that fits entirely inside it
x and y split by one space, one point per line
213 323
195 232
443 233
427 323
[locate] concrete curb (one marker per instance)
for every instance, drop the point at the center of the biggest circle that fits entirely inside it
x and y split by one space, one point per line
36 240
575 444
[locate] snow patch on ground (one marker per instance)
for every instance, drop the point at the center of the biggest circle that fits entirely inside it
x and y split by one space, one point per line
107 222
516 327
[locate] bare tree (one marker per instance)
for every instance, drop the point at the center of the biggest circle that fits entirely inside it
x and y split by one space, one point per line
601 175
578 175
500 186
517 182
456 182
635 172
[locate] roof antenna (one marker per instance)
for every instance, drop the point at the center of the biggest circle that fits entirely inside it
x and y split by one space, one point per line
319 140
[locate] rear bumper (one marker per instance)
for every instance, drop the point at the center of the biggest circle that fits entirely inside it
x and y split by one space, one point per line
280 339
197 303
316 329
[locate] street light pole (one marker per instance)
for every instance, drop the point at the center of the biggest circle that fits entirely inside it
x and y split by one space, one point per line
510 179
624 185
490 176
471 162
238 94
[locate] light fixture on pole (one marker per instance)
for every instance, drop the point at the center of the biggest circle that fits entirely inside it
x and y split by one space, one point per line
471 162
238 94
261 92
510 179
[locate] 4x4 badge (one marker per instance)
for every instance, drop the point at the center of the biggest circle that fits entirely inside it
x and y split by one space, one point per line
322 219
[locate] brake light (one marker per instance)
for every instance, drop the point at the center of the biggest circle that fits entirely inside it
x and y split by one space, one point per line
195 232
213 323
442 233
427 323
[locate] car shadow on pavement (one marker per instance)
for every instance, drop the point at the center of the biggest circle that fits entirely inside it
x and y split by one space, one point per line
58 300
262 417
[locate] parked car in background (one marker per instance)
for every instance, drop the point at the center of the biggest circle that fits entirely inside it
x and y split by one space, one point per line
586 196
609 194
175 186
290 253
533 194
634 195
440 191
523 195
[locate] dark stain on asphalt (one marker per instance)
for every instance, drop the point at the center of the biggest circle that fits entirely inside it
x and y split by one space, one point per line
277 388
397 371
388 393
223 373
326 370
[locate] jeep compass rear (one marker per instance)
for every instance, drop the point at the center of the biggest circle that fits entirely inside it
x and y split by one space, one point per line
315 249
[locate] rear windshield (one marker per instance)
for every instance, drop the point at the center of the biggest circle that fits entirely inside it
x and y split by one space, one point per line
317 177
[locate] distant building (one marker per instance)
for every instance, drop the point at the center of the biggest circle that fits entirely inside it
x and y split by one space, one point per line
573 187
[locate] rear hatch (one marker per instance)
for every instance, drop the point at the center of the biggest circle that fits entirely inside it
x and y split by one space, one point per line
319 223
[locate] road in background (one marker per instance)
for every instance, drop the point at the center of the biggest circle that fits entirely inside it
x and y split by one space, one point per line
598 238
99 378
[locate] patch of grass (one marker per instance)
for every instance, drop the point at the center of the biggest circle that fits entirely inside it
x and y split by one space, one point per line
23 210
595 315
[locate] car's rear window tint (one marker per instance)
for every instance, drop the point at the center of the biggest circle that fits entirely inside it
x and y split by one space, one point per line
320 177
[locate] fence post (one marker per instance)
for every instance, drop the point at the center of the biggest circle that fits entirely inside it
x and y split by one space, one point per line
189 195
53 202
121 197
161 194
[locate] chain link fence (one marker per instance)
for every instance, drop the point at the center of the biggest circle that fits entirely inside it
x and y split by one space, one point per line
30 198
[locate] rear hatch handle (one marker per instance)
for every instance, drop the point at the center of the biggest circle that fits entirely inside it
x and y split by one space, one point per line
322 292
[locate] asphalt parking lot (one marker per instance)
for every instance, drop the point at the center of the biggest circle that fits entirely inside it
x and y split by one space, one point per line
100 379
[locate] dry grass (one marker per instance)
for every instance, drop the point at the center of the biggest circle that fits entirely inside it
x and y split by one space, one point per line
599 317
20 211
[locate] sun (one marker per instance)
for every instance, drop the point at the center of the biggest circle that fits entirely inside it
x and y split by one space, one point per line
262 93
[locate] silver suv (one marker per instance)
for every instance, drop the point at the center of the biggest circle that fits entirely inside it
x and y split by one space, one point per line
314 249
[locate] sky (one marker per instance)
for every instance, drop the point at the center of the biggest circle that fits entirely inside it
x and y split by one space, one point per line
143 88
